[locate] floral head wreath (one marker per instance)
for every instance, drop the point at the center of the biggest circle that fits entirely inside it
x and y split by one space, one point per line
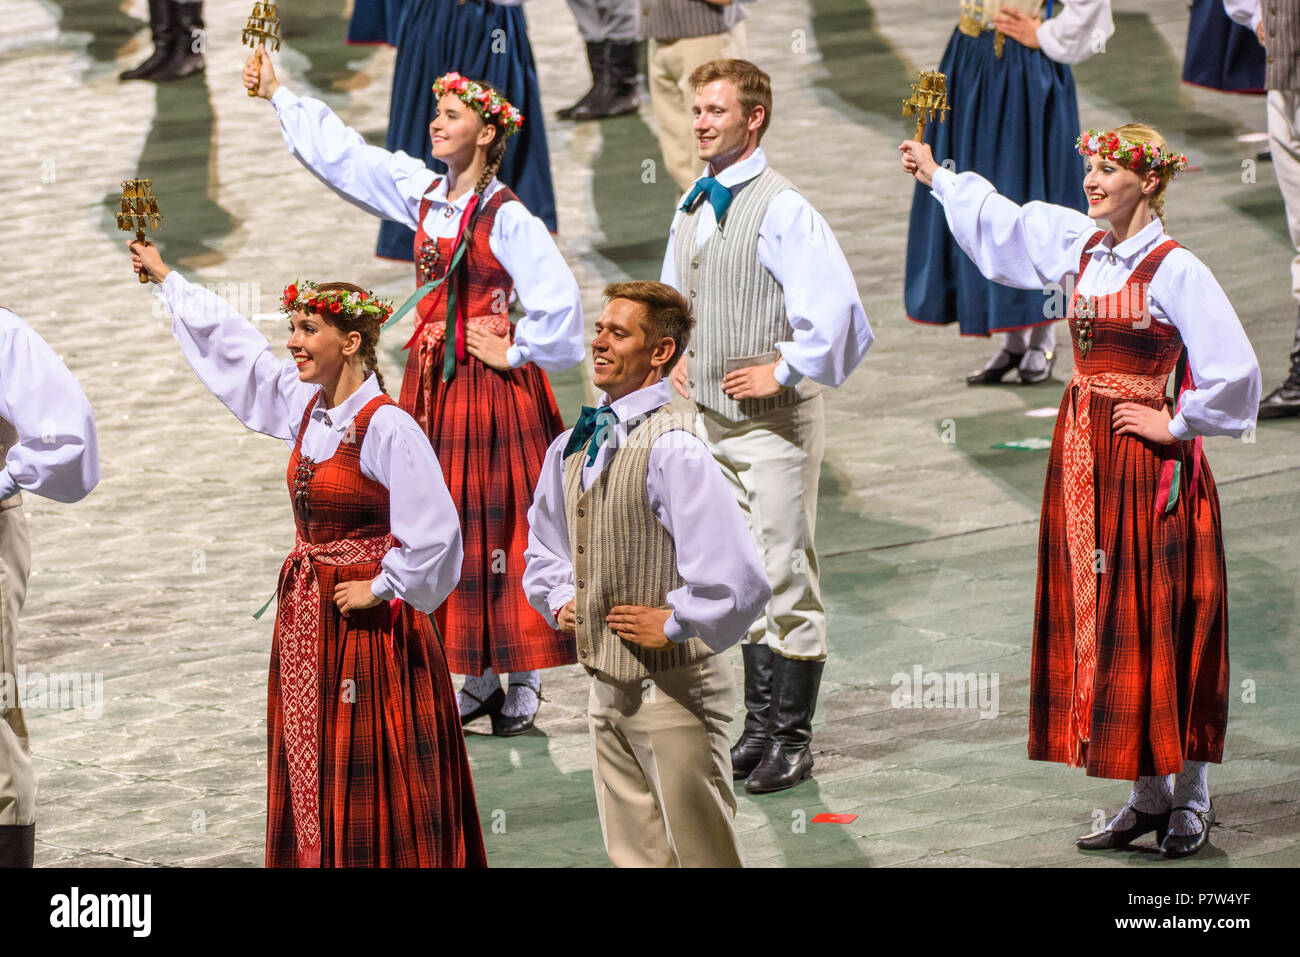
306 295
1135 156
489 104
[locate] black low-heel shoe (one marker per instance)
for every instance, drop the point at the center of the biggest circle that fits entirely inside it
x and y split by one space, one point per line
491 706
993 375
1042 375
507 726
1185 845
1104 839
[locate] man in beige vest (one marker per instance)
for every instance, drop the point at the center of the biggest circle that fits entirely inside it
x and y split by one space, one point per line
778 318
638 548
48 447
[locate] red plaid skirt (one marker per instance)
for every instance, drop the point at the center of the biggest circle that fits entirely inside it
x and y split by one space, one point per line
1160 690
490 430
394 786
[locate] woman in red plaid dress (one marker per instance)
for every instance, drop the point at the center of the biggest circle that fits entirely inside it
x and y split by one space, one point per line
478 389
366 765
1130 657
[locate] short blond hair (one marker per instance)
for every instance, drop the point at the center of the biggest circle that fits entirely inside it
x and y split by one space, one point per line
753 86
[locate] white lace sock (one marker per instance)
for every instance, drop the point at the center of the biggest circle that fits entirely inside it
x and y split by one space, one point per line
522 695
480 686
1040 341
1191 789
1151 794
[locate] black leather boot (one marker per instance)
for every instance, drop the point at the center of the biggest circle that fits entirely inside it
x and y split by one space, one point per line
162 21
597 55
617 94
1284 401
788 759
186 58
747 751
17 845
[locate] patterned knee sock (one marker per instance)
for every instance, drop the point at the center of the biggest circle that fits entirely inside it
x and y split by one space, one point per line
1191 789
521 698
1151 794
480 687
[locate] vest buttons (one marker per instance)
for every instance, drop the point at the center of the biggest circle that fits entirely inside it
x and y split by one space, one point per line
578 619
695 264
580 549
583 653
692 293
581 583
581 513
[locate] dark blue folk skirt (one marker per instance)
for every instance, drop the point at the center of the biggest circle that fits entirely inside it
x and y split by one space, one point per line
1221 54
374 21
1014 121
434 37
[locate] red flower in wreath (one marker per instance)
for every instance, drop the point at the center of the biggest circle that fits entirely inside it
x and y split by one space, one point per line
334 307
290 293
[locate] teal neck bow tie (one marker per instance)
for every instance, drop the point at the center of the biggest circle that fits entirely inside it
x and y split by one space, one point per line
594 426
719 196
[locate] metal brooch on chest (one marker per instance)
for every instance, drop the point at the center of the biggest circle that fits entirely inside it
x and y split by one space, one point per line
1085 310
427 261
302 482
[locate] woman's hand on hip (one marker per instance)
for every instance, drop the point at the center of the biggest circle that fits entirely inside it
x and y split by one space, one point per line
1134 418
487 348
355 596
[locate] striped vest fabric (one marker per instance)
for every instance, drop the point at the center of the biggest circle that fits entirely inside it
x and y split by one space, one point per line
739 306
8 439
678 19
622 555
1282 44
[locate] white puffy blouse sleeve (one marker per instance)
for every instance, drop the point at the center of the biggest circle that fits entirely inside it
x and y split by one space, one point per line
1026 246
384 184
1080 30
550 331
235 361
425 565
1222 363
56 454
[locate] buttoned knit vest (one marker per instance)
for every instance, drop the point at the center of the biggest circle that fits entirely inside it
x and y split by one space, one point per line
739 306
622 555
1281 44
8 438
677 19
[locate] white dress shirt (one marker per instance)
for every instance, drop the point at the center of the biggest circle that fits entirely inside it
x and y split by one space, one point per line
239 367
57 452
1246 12
795 244
726 588
391 185
1032 246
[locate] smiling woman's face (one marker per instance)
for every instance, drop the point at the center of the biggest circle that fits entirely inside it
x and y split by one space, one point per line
456 129
320 348
1113 190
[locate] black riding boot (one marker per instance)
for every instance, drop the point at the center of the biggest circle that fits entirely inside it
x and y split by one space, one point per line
186 53
1284 401
788 758
17 845
747 751
617 93
161 23
597 57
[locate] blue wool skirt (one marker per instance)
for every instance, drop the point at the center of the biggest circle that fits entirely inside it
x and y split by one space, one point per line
373 21
1222 54
1014 121
481 41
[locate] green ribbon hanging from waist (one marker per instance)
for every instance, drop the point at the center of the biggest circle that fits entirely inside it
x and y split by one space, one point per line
449 360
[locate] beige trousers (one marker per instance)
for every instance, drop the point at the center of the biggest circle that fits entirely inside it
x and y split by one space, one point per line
17 782
671 63
662 767
773 463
